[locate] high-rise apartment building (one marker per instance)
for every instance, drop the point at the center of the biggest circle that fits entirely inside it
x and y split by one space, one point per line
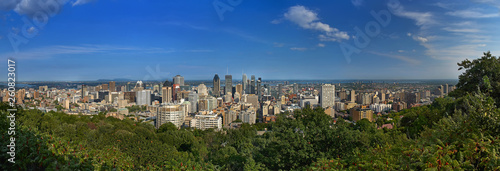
104 87
168 113
202 90
166 94
112 87
353 96
239 89
327 96
193 98
206 122
143 97
216 89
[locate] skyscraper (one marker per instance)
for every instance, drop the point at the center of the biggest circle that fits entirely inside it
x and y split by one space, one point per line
259 84
295 88
216 91
353 96
229 84
252 85
166 94
239 89
105 87
327 96
244 82
179 80
446 89
143 97
202 90
112 86
193 98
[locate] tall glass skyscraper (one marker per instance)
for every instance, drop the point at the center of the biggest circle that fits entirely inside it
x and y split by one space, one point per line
216 90
244 83
259 84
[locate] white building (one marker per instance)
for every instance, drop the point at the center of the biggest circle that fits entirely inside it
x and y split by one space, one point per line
173 113
143 97
327 97
206 122
380 107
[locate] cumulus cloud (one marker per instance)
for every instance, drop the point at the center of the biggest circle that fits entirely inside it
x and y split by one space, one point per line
321 45
308 19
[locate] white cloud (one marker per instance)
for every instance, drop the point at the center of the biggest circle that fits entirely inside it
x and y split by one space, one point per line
57 50
401 51
276 44
473 13
420 39
276 21
31 30
409 34
463 30
308 19
321 45
298 48
32 7
399 57
81 2
422 19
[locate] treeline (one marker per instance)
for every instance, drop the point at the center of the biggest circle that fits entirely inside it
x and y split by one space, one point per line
453 133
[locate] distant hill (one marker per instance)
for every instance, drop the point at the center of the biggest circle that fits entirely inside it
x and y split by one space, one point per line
116 79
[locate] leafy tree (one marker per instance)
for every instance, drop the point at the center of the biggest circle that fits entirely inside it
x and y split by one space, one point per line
480 75
169 126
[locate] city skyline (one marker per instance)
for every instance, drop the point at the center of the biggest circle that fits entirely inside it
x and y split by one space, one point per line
286 40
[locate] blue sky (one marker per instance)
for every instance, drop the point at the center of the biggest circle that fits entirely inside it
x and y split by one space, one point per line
67 40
